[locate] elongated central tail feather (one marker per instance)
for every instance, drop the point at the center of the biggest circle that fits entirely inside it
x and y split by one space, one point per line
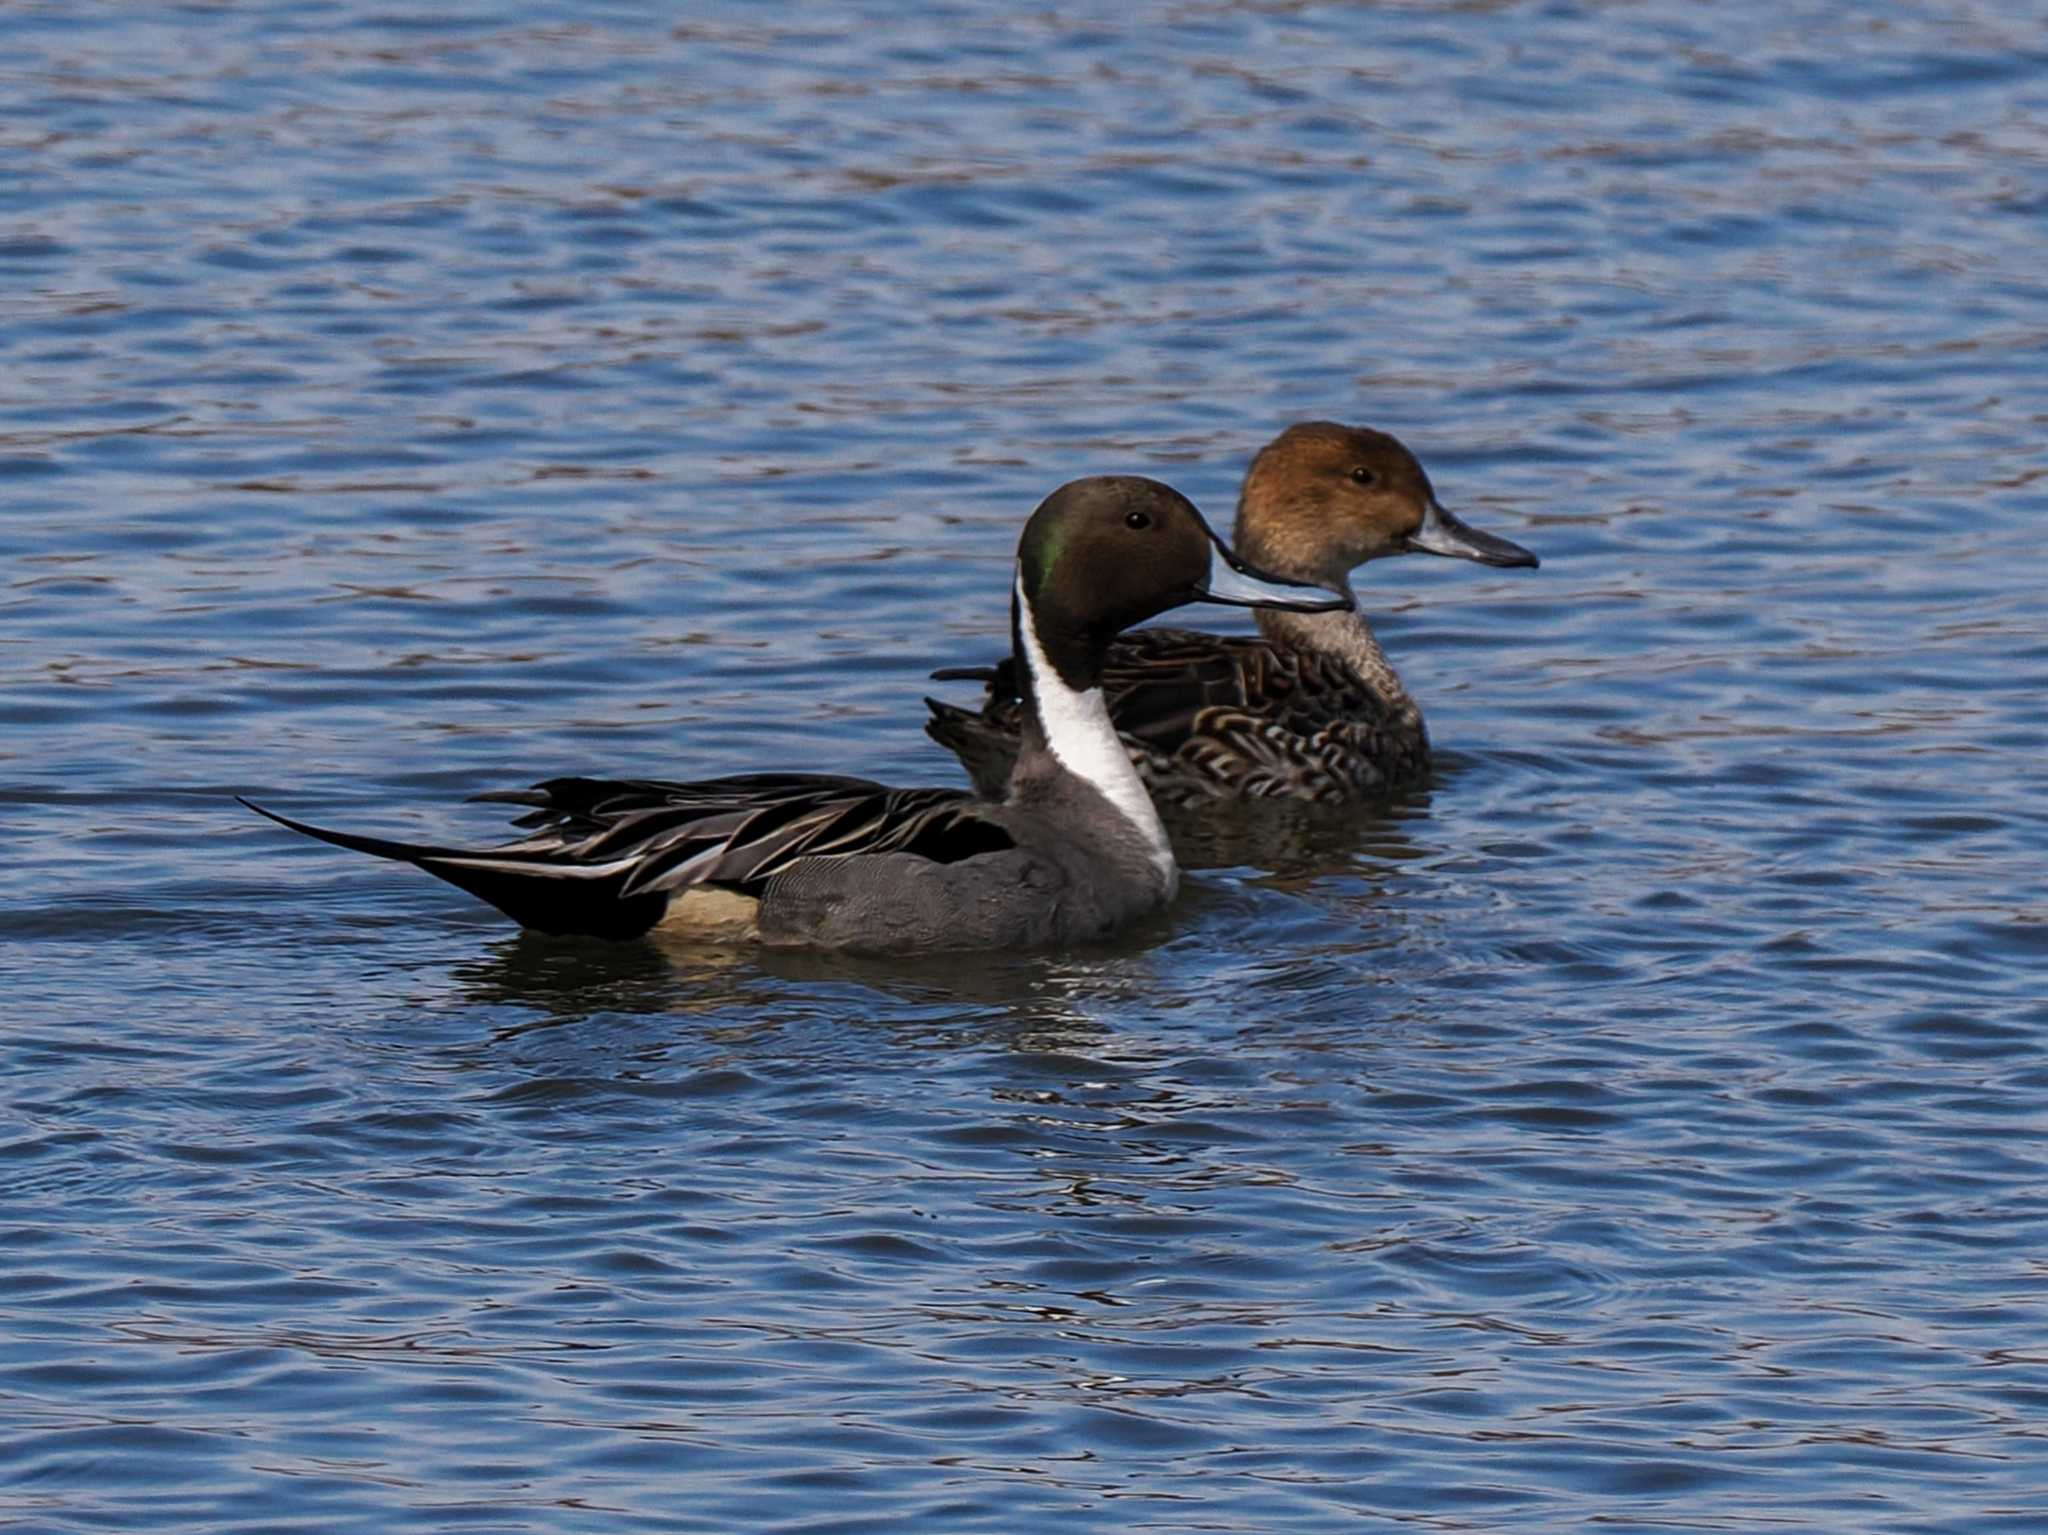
535 891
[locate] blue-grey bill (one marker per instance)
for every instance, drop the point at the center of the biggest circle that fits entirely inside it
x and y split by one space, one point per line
1237 584
1441 533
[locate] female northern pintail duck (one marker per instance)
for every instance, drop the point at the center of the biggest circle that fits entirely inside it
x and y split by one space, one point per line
1072 850
1310 710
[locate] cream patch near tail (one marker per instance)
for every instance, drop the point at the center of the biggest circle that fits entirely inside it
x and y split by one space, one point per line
713 915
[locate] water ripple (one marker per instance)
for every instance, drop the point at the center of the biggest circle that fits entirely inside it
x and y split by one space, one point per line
1637 1124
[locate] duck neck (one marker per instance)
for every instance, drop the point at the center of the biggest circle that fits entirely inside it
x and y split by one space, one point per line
1345 637
1067 730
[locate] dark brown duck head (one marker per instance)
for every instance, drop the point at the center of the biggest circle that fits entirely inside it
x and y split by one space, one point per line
1104 553
1321 499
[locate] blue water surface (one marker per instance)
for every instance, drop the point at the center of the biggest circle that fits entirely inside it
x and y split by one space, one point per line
1641 1129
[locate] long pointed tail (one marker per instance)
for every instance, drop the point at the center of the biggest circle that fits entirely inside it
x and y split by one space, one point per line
376 847
553 896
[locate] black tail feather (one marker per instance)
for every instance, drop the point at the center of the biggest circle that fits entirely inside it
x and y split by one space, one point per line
987 753
376 847
1000 678
552 897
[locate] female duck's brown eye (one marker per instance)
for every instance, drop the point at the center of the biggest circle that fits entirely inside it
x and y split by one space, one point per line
1137 519
1364 476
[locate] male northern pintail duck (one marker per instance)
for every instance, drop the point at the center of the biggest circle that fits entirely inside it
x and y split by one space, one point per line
1071 851
1310 710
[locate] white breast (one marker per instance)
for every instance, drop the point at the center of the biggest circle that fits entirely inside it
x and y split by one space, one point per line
1080 735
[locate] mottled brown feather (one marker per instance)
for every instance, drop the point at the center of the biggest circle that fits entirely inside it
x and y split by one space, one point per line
1206 715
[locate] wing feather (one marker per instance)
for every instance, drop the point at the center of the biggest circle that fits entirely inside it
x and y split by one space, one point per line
603 857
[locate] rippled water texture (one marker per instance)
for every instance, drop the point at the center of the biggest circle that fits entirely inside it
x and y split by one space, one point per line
1640 1130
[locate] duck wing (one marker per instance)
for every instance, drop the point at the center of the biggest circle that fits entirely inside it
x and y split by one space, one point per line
1208 714
1160 685
602 856
1169 684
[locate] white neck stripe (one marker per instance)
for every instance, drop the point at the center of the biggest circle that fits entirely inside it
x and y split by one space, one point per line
1079 735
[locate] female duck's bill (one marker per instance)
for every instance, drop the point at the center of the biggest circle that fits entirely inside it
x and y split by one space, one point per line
1441 533
1072 852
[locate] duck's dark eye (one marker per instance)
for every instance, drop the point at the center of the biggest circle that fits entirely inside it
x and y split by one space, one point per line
1137 519
1364 476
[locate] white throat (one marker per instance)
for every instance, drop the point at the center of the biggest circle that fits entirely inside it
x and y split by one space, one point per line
1080 736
